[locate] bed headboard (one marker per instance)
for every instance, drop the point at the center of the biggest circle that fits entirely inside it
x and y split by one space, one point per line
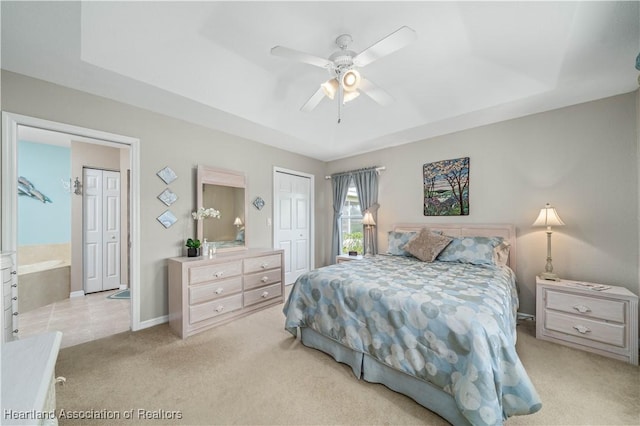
506 231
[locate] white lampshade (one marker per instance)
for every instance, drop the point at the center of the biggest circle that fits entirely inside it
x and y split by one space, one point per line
548 217
237 222
350 80
349 96
330 88
368 219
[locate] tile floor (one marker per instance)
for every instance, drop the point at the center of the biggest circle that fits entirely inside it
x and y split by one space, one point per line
80 319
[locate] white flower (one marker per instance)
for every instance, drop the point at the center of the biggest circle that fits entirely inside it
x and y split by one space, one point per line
203 213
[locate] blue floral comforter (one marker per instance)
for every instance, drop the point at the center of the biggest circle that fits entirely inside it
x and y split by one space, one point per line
451 324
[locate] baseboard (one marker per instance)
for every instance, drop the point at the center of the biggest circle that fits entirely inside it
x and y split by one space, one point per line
79 293
152 322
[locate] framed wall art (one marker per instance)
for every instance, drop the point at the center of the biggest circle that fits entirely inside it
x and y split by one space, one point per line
168 197
167 219
167 175
446 187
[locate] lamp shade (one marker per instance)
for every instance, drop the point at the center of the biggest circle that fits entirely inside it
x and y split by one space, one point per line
350 80
368 219
330 87
548 217
237 222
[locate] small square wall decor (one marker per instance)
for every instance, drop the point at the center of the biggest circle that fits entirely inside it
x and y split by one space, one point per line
167 219
168 197
446 187
167 175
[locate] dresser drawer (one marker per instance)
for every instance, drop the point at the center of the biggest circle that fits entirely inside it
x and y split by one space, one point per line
262 263
214 308
267 277
216 271
607 309
261 294
205 292
586 328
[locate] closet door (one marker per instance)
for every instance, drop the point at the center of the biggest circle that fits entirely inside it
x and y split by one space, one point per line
101 212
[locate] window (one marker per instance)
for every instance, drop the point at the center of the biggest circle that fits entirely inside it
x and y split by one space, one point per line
351 231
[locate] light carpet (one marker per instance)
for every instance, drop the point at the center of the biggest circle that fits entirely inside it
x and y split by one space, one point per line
252 372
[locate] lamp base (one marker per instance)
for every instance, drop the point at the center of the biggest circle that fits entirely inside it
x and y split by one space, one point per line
549 276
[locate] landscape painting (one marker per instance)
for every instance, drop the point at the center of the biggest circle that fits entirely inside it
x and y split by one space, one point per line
446 187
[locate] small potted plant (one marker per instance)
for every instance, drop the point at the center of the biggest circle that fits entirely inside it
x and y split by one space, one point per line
193 247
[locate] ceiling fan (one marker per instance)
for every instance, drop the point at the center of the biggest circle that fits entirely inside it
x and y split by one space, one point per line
343 65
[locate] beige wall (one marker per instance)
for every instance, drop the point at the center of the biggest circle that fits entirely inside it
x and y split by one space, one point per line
182 146
581 159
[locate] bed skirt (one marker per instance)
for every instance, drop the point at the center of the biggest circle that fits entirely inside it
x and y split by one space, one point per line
371 370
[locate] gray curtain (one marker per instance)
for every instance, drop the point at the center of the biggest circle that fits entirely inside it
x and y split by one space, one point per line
340 184
366 182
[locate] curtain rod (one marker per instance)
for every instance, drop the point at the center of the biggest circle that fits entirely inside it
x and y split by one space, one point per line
378 169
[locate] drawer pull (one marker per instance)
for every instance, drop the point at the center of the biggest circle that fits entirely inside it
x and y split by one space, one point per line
15 331
15 314
14 298
220 308
581 329
582 309
218 274
265 294
264 279
14 285
264 265
219 291
14 272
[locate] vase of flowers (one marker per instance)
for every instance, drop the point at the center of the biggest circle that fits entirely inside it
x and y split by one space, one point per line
193 247
203 213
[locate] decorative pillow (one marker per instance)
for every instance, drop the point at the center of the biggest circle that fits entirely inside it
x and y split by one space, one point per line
427 245
397 240
474 250
501 253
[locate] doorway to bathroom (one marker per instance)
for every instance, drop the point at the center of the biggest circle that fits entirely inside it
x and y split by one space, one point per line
66 305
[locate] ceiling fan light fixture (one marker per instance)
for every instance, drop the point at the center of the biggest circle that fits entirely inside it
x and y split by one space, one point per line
330 88
349 96
351 80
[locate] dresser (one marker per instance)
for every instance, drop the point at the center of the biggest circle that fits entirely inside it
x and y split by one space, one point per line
604 322
204 292
28 380
9 297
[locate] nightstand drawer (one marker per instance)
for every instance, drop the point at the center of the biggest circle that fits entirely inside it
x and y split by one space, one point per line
585 328
607 309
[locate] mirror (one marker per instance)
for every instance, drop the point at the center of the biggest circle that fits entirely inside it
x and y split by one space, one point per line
225 191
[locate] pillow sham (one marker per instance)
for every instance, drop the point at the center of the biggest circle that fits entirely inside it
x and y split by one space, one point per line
474 250
427 245
397 240
501 253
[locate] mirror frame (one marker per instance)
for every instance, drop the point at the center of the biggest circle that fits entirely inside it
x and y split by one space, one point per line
215 176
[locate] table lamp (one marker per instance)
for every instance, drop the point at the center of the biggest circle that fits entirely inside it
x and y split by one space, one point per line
548 217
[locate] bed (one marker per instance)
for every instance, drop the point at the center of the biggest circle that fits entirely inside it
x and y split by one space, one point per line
440 332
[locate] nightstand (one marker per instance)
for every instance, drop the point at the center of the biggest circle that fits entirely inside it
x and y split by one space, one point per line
346 258
573 314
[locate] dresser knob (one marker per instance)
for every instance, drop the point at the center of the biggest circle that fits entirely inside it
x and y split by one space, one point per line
265 294
14 285
581 329
14 298
220 290
220 308
14 272
218 274
15 314
582 309
15 331
264 279
264 265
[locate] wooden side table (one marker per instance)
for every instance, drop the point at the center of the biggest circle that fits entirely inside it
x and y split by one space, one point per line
576 314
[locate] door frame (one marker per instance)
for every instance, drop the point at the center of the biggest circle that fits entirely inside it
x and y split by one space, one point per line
312 227
9 189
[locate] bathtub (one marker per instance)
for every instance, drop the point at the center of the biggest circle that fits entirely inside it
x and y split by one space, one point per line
42 283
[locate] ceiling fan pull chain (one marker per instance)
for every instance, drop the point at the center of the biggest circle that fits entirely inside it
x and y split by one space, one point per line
340 97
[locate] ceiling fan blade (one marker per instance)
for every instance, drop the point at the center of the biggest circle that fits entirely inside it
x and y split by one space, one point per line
313 101
296 55
394 41
374 92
